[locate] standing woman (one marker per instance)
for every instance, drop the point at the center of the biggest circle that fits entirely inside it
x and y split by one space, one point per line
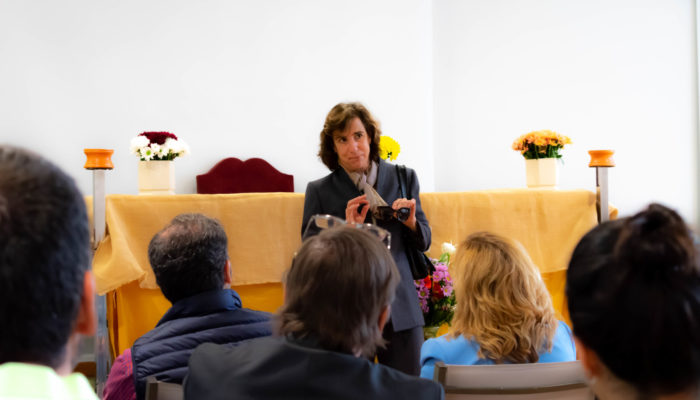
359 184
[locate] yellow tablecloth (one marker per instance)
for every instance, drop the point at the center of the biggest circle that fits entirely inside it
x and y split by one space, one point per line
264 231
547 222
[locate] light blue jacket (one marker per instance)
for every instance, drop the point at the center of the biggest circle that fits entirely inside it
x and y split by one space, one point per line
462 351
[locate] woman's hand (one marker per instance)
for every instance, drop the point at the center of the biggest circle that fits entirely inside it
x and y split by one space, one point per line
410 222
356 210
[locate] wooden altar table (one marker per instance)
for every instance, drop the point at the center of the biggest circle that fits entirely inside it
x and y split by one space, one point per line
264 231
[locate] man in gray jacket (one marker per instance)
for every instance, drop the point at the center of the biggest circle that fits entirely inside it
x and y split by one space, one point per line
338 295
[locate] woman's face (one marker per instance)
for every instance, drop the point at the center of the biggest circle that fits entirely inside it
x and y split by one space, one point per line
352 146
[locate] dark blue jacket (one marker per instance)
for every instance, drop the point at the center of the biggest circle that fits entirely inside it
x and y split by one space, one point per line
215 317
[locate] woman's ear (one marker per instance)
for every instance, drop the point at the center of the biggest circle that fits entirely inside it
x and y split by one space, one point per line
86 323
589 359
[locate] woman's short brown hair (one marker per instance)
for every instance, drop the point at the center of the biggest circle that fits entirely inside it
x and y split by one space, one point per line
336 120
336 289
502 302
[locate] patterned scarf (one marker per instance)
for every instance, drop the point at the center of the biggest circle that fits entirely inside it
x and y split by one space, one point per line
365 182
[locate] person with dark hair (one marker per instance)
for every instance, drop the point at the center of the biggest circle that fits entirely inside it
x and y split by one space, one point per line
633 289
189 258
46 286
338 296
362 188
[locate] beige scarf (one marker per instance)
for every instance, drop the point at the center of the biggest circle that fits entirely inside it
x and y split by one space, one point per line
365 182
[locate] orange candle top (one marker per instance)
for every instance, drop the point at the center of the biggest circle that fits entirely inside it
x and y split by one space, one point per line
99 159
601 158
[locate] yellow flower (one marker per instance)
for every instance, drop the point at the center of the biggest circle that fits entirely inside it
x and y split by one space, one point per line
388 148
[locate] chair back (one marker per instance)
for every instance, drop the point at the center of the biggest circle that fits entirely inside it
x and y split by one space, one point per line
254 175
559 380
159 390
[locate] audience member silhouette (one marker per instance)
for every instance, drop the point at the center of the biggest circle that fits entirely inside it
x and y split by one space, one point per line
46 286
338 293
189 257
633 288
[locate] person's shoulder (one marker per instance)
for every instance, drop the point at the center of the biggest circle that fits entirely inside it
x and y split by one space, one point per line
564 333
256 315
406 386
385 164
444 343
208 350
411 175
563 345
214 370
251 323
435 345
458 350
564 327
324 180
246 315
212 354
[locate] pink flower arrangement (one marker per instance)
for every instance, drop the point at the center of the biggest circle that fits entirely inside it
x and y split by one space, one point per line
435 293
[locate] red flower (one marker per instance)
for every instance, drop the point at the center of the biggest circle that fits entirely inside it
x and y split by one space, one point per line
437 290
158 137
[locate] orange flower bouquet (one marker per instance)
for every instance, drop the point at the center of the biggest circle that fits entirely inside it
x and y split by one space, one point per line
541 144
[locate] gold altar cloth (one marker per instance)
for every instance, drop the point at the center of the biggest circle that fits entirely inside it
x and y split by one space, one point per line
264 231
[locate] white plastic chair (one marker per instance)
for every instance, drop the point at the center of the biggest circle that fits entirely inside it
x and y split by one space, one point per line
560 380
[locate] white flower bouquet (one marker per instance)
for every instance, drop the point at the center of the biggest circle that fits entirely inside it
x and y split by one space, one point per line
158 146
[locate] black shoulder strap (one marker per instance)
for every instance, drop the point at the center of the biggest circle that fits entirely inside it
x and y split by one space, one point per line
403 181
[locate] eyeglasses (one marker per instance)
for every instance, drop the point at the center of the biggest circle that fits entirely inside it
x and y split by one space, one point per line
325 221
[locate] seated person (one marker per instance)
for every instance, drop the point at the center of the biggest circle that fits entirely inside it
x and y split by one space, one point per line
189 258
503 311
633 288
46 287
338 293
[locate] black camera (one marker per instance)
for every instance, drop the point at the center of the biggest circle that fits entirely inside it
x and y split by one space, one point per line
386 212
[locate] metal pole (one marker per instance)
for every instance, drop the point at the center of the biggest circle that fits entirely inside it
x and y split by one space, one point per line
102 357
602 191
601 160
99 161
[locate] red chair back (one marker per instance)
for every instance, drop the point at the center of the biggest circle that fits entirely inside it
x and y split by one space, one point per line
232 175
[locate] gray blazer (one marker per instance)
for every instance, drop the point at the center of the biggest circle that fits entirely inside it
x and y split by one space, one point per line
330 195
285 368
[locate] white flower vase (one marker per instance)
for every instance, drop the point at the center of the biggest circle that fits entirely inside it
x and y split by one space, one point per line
542 173
156 177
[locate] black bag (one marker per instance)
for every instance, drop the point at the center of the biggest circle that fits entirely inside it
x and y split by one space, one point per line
421 266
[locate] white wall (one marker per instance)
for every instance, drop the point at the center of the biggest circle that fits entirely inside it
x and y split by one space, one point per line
231 78
610 74
454 81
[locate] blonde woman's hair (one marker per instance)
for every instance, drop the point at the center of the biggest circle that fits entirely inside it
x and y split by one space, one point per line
502 302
